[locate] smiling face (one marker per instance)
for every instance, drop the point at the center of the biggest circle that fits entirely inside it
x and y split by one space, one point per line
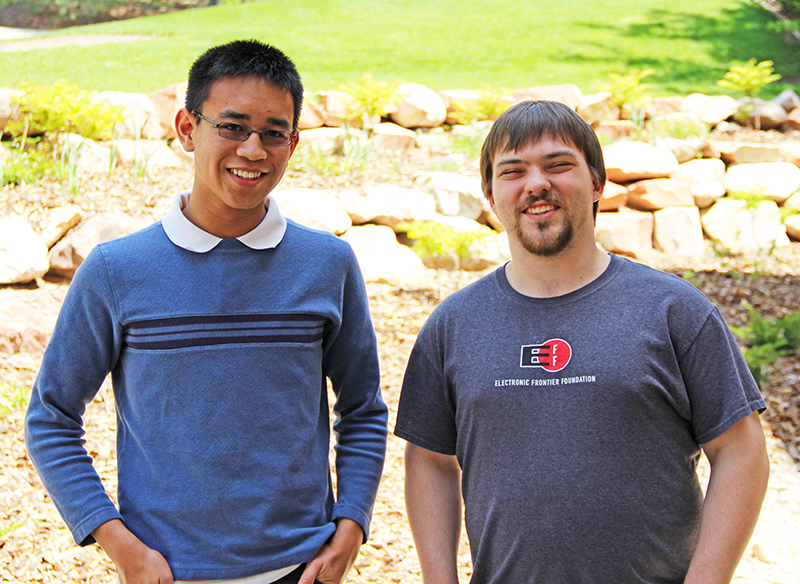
233 179
543 195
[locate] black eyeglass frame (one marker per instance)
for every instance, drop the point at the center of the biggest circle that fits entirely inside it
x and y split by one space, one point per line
246 131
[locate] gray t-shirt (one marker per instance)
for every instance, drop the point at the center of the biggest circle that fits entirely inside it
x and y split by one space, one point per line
577 421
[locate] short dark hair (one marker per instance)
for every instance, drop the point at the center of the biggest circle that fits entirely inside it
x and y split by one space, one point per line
243 58
527 122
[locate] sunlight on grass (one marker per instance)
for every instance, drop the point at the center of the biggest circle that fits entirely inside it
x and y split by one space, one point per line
440 43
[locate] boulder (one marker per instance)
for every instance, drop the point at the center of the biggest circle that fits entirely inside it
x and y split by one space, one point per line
313 208
146 154
383 260
394 138
324 141
455 193
58 222
615 129
793 119
706 177
659 193
628 233
7 108
597 108
69 253
683 149
629 161
790 152
567 93
788 100
792 202
166 103
458 102
792 223
665 106
677 231
418 107
139 116
776 181
311 115
742 228
711 109
88 156
764 115
23 254
739 152
336 107
614 197
387 204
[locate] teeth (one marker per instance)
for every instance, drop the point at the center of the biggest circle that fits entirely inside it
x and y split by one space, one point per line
540 210
245 174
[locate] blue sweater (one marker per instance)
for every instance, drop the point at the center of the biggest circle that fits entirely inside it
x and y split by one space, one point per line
219 363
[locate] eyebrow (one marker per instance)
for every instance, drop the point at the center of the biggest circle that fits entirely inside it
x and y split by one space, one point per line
234 115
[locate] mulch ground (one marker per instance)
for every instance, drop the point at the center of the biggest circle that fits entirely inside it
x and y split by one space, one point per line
37 548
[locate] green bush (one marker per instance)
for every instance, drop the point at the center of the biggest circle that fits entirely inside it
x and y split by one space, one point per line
769 339
626 89
434 239
370 100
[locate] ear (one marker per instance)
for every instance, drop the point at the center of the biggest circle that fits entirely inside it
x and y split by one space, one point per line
490 198
185 124
294 143
598 190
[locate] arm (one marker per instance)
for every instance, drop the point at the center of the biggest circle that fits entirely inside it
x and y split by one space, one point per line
739 475
334 559
433 503
135 562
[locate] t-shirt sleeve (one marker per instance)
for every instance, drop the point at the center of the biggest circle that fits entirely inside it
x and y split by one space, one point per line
719 385
426 415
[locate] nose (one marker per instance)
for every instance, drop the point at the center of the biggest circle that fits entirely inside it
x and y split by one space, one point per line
252 148
536 182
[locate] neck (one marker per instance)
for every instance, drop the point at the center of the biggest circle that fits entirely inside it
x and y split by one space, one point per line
548 277
225 225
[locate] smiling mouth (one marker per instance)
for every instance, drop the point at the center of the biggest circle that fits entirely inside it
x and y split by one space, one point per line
540 210
245 173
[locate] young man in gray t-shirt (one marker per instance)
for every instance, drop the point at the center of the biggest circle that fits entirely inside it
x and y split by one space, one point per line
568 396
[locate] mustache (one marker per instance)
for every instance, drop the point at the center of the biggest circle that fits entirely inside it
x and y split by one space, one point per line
541 197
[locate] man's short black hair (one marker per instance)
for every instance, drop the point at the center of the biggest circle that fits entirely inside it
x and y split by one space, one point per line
243 58
528 122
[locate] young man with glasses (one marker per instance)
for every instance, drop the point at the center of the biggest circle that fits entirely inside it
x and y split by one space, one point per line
220 326
568 395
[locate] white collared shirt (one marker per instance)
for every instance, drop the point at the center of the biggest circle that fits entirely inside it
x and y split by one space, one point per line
185 234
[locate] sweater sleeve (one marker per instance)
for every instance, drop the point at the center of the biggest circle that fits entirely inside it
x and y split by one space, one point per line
351 363
81 352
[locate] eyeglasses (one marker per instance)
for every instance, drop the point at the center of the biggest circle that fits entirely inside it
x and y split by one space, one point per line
241 133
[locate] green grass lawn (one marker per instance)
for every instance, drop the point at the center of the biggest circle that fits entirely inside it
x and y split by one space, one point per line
440 43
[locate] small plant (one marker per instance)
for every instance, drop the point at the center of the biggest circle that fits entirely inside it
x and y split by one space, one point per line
750 79
26 166
627 89
769 339
488 106
679 128
13 401
432 239
356 153
370 100
7 528
469 141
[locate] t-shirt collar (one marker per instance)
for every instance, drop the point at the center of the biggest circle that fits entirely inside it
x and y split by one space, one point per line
185 234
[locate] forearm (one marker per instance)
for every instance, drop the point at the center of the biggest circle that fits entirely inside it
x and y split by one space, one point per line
736 489
433 504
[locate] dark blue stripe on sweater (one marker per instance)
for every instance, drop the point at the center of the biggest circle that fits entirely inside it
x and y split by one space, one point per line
207 341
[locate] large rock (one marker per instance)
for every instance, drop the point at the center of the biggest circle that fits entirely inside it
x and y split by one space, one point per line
383 260
69 253
8 111
139 116
23 254
776 181
323 141
630 161
788 100
146 155
458 103
387 204
792 224
614 197
677 231
793 119
336 106
567 93
597 108
707 179
313 208
684 149
739 152
660 193
87 156
166 103
58 222
628 233
418 107
711 109
741 228
394 138
311 115
455 193
764 115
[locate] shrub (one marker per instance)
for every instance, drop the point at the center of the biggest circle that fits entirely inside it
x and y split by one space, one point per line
626 89
369 99
769 339
432 239
749 79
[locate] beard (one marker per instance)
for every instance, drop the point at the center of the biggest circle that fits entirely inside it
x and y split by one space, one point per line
543 242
